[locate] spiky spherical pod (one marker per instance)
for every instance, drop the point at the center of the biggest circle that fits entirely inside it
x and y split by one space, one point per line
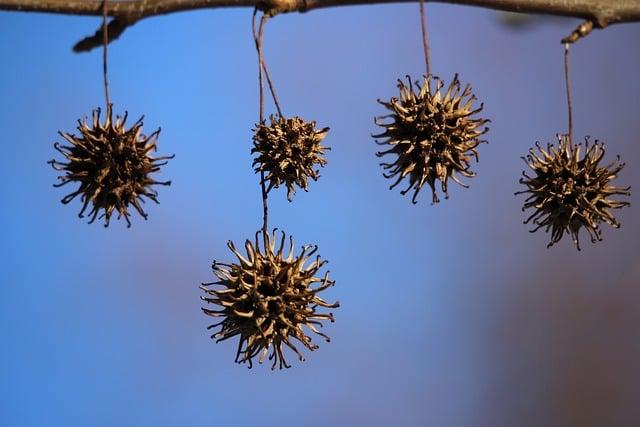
569 191
266 299
288 152
432 134
112 164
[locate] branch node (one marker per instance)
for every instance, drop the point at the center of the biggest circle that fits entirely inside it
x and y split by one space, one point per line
583 30
272 8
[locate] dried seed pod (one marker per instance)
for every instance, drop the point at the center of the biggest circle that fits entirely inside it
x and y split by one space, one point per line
432 134
570 191
266 299
288 152
112 165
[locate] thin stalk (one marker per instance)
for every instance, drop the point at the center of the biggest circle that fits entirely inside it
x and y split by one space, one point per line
105 53
425 38
257 37
568 87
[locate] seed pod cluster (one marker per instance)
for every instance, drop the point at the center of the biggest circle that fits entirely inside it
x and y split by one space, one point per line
431 133
569 191
266 299
112 164
288 151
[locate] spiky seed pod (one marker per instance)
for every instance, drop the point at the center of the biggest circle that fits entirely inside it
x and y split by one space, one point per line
266 299
431 133
570 191
289 151
112 165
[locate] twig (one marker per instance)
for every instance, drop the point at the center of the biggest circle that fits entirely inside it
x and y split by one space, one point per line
583 30
116 27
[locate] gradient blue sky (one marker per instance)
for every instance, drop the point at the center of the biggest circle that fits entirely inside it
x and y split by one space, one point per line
452 315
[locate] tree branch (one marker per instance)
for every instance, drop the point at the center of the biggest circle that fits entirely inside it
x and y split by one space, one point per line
127 12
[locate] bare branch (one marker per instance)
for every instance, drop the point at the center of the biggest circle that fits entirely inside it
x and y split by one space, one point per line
126 12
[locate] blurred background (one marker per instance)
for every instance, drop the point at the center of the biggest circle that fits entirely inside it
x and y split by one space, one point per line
452 315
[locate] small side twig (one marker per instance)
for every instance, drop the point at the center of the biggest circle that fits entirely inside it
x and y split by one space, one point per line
116 27
582 31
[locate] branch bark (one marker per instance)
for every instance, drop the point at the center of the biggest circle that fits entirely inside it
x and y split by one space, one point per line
127 12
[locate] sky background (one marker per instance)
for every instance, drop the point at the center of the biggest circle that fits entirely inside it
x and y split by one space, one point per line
452 315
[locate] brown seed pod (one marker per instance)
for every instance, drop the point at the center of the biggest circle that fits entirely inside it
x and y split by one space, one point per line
570 191
431 133
266 299
288 152
112 165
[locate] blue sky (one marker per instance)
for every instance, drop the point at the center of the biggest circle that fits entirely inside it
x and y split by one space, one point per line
452 315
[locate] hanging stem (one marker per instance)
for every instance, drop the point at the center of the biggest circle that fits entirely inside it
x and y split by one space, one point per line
271 88
263 64
257 37
568 87
425 38
105 52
